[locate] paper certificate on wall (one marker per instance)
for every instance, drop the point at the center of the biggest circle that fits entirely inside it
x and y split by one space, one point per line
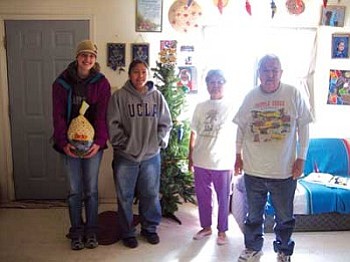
149 15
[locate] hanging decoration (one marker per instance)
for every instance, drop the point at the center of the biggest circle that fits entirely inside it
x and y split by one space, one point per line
140 51
184 15
220 4
116 56
248 7
295 7
325 2
273 9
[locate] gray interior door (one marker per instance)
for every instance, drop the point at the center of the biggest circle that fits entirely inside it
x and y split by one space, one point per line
37 51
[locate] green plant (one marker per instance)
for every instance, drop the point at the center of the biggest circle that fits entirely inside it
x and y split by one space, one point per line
176 182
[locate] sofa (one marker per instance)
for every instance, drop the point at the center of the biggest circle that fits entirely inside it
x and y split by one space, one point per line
320 203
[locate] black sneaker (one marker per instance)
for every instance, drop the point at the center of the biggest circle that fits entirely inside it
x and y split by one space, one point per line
91 241
77 243
130 242
152 238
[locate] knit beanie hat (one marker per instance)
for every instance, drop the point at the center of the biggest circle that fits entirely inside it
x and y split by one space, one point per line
86 46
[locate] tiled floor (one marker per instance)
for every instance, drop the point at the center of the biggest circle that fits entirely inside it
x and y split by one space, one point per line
38 235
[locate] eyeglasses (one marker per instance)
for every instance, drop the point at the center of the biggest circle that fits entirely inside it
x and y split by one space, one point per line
273 71
218 82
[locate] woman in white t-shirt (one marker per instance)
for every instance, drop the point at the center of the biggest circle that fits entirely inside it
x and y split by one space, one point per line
212 154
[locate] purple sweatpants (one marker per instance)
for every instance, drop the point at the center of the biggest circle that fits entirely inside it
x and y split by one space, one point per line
205 180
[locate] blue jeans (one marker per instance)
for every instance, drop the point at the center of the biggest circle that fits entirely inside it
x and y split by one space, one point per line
282 196
140 180
83 188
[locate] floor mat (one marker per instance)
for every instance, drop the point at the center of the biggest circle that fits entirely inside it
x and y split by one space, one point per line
34 204
108 228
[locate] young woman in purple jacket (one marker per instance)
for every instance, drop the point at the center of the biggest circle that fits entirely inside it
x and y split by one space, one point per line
81 81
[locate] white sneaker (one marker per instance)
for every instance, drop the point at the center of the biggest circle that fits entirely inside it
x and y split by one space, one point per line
282 257
249 255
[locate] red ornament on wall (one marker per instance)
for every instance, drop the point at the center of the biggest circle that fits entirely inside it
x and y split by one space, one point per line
325 3
220 4
248 8
295 7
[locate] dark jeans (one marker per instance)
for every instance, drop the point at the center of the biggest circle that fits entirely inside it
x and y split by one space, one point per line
282 196
141 179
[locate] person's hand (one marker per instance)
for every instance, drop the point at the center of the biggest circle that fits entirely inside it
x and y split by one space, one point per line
68 150
190 165
238 165
92 151
298 168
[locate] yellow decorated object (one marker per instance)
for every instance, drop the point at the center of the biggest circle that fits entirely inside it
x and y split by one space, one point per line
81 132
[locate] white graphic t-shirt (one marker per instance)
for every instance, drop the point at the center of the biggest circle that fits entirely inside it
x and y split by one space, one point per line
269 124
215 142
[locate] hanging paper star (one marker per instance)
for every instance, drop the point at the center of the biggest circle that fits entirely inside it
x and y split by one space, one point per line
220 6
273 8
248 7
325 3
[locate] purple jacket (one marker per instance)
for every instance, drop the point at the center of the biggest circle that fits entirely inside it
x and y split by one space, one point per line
97 96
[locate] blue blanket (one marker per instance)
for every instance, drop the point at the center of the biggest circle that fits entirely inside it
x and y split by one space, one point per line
323 199
332 156
328 155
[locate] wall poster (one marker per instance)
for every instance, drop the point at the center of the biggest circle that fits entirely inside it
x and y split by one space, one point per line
339 87
140 51
340 45
115 55
188 78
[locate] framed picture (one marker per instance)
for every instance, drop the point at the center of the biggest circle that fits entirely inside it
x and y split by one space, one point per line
340 45
140 51
167 54
116 55
333 15
149 15
188 78
168 44
186 54
339 87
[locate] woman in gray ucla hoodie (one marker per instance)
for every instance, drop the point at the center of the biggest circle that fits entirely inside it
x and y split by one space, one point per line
139 125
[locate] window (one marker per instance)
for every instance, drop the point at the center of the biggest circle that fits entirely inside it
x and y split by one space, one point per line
237 52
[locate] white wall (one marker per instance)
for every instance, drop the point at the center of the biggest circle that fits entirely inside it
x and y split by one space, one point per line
114 21
331 120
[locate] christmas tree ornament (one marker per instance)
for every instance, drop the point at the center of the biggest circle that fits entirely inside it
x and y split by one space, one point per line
180 133
273 8
184 16
248 8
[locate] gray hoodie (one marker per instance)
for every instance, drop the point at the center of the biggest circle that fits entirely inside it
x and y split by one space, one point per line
138 124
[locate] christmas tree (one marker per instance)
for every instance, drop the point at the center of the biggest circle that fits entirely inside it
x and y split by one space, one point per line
176 182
